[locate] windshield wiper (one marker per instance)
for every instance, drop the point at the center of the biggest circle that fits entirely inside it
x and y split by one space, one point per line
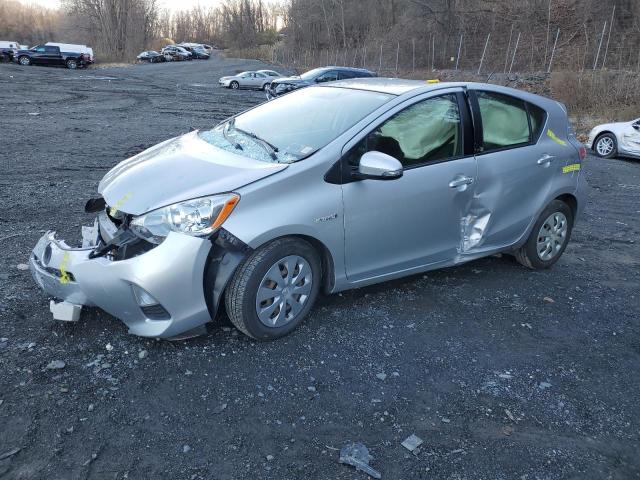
225 133
271 149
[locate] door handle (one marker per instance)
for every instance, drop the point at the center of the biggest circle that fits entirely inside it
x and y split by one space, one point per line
460 181
546 158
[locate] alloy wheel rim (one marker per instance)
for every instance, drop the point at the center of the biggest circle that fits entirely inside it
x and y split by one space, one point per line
284 291
552 236
605 146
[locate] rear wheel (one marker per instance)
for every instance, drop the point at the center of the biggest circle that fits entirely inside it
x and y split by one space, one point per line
606 145
549 237
274 289
24 60
5 58
72 64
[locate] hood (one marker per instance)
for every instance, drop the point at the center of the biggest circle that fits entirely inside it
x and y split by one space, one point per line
294 79
179 169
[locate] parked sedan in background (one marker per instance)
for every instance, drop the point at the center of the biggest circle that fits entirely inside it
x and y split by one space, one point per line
246 80
271 73
198 52
329 188
150 56
616 139
318 75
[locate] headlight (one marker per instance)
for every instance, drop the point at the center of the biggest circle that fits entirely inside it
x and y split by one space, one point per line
199 217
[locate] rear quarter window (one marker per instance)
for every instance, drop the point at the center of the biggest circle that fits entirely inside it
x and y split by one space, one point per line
537 117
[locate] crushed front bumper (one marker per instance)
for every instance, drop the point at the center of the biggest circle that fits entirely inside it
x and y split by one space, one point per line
172 273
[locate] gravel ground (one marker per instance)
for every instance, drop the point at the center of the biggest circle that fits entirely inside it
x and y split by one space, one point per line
504 373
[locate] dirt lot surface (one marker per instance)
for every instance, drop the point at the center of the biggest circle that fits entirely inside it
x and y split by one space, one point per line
499 381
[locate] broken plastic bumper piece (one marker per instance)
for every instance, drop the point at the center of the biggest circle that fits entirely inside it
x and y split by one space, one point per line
157 293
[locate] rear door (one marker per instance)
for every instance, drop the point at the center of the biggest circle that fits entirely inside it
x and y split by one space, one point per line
516 166
399 225
52 55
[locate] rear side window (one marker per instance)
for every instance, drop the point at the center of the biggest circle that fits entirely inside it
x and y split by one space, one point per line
51 49
504 121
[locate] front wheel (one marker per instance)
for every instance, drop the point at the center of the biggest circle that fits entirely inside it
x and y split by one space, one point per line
266 87
25 61
234 85
606 145
72 64
274 289
549 237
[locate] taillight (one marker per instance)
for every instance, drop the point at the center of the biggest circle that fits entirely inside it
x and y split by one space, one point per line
582 152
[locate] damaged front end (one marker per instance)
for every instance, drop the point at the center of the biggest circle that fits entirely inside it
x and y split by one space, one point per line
155 289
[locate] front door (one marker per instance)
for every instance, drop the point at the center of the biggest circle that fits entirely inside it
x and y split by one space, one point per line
400 225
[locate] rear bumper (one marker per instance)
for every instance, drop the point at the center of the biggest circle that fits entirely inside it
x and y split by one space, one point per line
172 273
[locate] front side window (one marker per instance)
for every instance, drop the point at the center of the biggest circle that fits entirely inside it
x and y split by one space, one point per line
426 132
296 124
504 121
40 49
327 77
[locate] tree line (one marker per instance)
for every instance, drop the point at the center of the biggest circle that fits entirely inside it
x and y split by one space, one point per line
502 34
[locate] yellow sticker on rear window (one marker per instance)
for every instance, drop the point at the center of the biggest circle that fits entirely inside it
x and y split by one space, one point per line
574 167
555 138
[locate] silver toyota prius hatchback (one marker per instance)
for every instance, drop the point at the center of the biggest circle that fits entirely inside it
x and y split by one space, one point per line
327 188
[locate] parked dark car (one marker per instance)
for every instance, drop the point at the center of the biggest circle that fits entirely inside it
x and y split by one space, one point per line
7 50
150 56
317 75
50 55
177 53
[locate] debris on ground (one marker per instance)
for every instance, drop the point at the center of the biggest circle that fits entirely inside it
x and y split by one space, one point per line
22 266
548 300
412 442
357 455
56 365
142 354
13 451
544 385
381 376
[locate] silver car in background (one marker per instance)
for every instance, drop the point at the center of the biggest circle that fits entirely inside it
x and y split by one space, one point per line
255 80
616 139
328 188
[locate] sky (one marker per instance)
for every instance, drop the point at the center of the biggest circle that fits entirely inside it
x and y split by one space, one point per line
170 4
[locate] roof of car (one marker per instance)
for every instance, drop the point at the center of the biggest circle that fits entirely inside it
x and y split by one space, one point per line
394 86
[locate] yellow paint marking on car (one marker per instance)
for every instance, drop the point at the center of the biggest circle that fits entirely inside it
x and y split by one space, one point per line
64 275
118 205
574 167
433 81
553 137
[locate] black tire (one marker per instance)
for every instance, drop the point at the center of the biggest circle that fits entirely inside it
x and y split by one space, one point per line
240 295
24 60
266 87
5 58
528 255
72 64
610 137
234 85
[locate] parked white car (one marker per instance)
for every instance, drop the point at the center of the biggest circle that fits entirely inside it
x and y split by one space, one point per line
257 80
71 47
616 139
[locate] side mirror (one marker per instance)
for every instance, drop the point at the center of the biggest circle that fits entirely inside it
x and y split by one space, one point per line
378 166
